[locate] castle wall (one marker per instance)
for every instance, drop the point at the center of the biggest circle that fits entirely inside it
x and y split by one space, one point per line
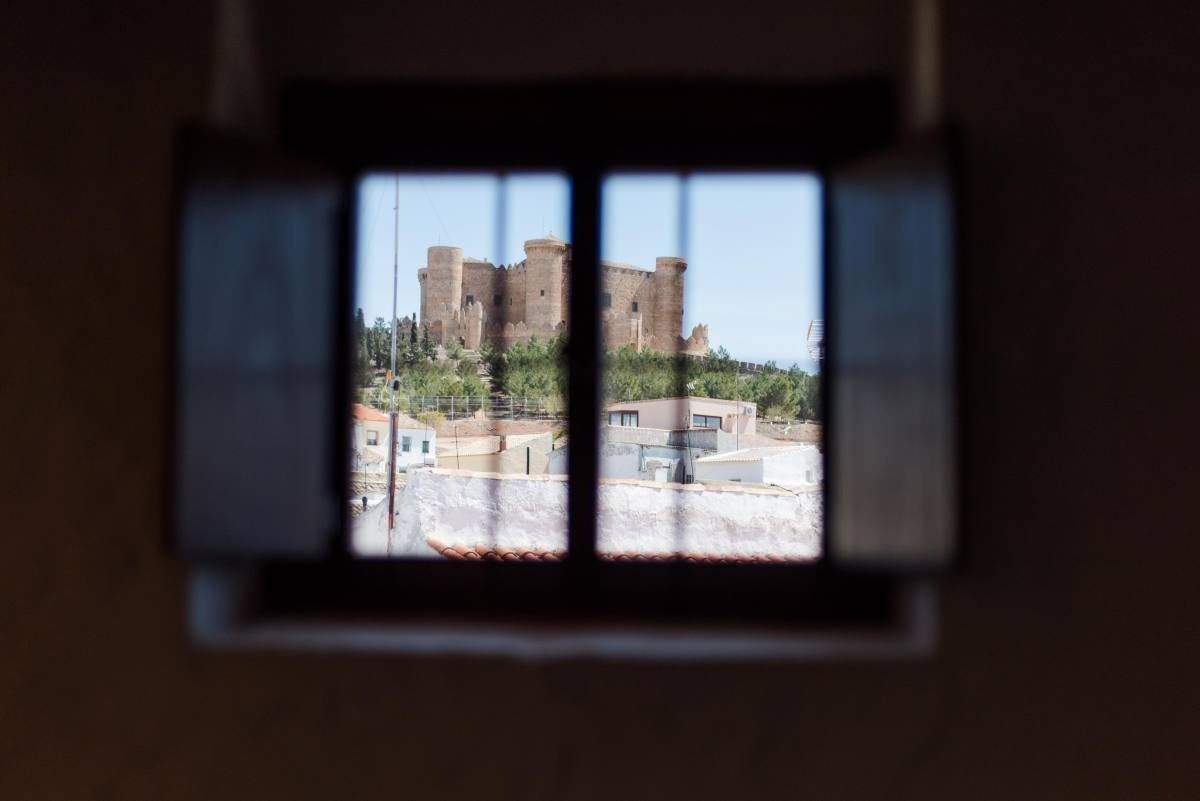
480 282
626 286
475 301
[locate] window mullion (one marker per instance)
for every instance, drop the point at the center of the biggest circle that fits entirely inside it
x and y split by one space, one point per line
583 398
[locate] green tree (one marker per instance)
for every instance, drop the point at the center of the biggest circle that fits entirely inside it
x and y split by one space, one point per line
808 393
379 344
773 391
428 350
362 359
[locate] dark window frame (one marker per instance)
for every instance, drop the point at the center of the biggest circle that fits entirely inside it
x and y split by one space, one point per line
624 416
688 127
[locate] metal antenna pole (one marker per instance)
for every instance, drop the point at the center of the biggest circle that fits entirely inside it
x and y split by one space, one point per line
391 485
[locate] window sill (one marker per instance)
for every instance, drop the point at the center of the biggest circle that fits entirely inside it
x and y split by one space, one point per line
223 615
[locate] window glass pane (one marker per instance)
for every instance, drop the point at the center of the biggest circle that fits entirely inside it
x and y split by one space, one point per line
480 386
711 297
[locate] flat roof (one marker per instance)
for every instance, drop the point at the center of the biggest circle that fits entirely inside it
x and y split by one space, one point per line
755 454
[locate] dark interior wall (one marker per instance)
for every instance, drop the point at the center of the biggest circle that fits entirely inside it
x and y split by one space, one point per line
1066 667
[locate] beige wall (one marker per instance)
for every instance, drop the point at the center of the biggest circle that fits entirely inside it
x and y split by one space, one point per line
672 413
1066 667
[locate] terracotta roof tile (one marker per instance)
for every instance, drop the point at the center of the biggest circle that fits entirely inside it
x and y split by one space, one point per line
499 553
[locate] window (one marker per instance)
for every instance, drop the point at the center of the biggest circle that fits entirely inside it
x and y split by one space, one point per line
629 419
372 437
497 299
424 446
705 421
405 444
470 299
633 306
827 131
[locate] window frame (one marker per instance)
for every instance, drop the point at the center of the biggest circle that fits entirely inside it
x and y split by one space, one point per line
353 129
624 415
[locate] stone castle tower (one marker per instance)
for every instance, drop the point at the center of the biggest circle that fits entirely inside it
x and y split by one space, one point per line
472 301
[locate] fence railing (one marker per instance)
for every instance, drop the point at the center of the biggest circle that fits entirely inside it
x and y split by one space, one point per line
452 407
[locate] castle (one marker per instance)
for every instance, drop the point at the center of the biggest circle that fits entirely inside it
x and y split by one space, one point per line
472 301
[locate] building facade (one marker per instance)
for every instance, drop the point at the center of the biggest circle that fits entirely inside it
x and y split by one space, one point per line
471 301
416 443
732 416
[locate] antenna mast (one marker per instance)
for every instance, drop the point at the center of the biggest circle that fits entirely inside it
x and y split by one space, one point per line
392 379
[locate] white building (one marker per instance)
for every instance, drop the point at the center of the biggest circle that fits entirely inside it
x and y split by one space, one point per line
416 443
792 466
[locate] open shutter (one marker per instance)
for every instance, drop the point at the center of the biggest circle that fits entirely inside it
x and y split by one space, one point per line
255 396
891 356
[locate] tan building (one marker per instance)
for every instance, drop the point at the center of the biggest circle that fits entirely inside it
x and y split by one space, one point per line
731 416
472 301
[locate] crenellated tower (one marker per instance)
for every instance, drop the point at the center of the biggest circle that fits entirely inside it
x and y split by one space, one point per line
667 324
544 282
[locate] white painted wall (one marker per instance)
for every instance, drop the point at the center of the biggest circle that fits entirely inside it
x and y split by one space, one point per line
803 467
463 508
750 472
415 456
794 466
403 460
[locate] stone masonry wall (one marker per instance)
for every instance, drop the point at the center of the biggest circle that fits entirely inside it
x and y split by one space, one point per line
534 300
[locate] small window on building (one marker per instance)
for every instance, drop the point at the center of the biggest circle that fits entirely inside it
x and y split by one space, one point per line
372 437
543 293
634 305
808 477
629 419
605 300
705 421
424 446
470 299
497 300
406 444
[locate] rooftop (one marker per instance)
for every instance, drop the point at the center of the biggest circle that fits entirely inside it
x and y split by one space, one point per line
701 398
755 454
499 553
368 414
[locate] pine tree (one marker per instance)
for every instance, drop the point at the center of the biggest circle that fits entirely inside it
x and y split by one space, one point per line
427 347
362 359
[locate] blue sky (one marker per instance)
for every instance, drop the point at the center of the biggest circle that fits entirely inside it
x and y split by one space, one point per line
752 242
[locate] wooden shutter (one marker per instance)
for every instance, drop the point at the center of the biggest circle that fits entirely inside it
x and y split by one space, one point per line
254 468
892 359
